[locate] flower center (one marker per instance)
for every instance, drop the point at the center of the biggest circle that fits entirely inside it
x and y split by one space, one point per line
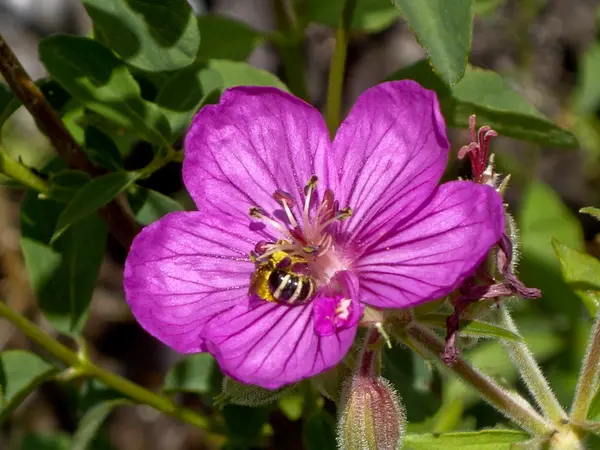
290 269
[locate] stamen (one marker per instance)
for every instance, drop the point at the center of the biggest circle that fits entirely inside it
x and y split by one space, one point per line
343 215
307 243
287 202
311 183
328 207
325 245
308 190
257 213
284 198
261 247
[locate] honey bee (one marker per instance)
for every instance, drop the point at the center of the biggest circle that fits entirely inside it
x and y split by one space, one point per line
274 280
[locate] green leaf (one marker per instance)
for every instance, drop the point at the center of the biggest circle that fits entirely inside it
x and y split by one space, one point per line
66 183
445 30
242 394
486 7
472 327
242 74
240 42
399 366
91 422
486 94
21 373
45 442
184 93
91 197
587 92
193 374
319 431
9 103
544 217
148 34
582 274
491 358
369 15
102 83
149 206
101 149
62 274
92 393
291 403
244 425
477 440
594 212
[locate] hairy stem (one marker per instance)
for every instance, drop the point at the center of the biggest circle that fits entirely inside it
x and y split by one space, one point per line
513 407
531 374
18 172
84 367
291 47
121 223
337 68
588 378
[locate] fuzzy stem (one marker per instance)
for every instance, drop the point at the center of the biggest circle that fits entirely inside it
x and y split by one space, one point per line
512 407
84 367
337 69
121 223
530 372
588 378
369 355
20 173
291 47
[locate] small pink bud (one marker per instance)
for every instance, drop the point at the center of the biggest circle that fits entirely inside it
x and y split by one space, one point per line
371 416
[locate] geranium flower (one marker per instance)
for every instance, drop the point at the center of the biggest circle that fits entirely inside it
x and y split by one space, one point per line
295 234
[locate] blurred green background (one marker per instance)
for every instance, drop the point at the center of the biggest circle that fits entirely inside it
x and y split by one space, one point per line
548 51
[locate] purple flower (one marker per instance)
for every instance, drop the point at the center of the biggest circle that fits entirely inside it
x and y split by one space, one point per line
294 234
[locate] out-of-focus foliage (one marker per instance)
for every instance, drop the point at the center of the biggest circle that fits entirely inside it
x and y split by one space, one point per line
486 94
131 86
445 30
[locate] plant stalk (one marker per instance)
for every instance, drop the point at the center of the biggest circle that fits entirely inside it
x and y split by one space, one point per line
588 378
18 172
514 408
291 47
337 68
122 224
84 367
531 374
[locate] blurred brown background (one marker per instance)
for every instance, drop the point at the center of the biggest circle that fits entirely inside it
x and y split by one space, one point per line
536 45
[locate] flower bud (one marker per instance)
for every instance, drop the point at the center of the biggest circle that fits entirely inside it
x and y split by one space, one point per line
371 416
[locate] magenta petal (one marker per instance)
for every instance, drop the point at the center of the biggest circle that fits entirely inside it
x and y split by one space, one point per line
332 314
184 270
271 345
390 152
255 141
430 255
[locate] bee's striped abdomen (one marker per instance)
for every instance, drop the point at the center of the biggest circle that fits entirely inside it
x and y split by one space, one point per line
291 288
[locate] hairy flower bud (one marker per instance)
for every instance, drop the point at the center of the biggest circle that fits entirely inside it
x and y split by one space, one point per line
371 417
